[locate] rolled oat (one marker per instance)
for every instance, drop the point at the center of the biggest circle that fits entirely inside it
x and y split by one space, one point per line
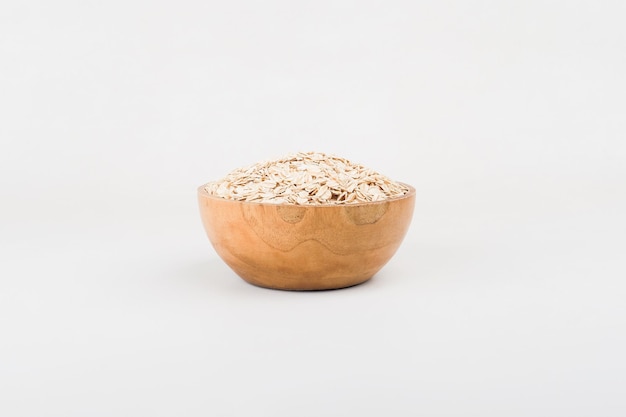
306 178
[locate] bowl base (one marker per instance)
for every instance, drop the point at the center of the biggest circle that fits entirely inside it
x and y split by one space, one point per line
311 286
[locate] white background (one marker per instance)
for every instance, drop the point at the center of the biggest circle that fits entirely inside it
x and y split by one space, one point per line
507 297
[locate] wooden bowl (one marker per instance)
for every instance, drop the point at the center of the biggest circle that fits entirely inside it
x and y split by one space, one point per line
297 247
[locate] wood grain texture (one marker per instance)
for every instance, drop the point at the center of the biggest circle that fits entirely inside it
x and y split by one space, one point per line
305 247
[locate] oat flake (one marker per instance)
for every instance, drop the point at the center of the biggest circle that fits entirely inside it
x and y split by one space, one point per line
306 178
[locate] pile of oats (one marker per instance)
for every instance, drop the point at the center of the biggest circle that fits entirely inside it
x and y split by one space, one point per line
306 178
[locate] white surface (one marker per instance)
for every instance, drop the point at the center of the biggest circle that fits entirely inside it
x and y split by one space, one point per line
506 298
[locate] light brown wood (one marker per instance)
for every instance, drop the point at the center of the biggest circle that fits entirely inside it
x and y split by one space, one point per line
305 247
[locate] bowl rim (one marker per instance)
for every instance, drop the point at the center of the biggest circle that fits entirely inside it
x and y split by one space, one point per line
204 193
